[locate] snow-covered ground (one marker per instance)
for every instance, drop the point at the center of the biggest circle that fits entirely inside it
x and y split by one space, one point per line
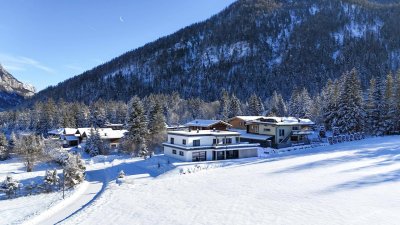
350 183
14 211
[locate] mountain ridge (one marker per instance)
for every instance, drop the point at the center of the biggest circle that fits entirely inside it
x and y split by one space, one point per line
12 91
281 44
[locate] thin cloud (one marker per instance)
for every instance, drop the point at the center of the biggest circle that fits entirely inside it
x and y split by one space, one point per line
21 63
121 19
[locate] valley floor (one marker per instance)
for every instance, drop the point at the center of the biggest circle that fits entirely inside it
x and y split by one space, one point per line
349 183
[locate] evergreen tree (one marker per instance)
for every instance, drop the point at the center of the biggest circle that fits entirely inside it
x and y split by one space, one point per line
74 170
278 106
4 150
157 128
224 105
397 102
389 107
350 113
330 100
256 108
370 107
235 107
136 139
51 180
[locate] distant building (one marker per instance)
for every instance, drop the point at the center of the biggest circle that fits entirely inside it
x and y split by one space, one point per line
72 137
115 126
239 122
206 145
208 125
279 132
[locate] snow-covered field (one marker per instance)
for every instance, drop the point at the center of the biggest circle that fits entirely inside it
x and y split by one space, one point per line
14 211
349 183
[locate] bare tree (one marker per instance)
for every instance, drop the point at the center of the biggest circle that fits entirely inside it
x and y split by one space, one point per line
30 148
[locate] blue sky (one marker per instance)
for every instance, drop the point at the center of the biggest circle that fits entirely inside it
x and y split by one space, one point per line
43 42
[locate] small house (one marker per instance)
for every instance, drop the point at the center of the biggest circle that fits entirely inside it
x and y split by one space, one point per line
208 125
239 122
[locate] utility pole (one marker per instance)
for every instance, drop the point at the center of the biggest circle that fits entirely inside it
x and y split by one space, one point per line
63 183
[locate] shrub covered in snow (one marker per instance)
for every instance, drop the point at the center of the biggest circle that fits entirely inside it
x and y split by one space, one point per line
10 186
74 170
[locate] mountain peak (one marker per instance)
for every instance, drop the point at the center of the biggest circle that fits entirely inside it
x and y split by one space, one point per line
12 91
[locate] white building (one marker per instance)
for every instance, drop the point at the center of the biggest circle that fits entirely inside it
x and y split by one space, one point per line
206 145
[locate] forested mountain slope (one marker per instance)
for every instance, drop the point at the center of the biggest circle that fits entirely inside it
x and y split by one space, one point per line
253 46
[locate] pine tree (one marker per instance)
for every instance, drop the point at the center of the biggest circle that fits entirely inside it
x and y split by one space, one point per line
235 107
397 102
370 107
224 105
278 106
74 170
136 139
94 144
389 109
51 180
4 150
350 113
157 128
256 108
330 100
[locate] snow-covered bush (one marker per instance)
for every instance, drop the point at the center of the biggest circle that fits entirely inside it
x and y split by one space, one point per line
121 174
10 186
51 180
74 170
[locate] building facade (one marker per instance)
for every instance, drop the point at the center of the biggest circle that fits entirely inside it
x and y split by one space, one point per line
207 145
281 131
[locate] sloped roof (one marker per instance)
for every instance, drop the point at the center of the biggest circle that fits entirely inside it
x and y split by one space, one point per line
59 131
283 121
246 118
205 123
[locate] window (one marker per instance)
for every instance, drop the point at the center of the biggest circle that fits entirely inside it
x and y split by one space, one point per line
196 142
184 141
227 140
237 139
295 128
199 156
267 129
215 141
173 151
181 153
172 140
281 132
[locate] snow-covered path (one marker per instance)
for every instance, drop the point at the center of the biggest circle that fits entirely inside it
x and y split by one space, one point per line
81 198
99 175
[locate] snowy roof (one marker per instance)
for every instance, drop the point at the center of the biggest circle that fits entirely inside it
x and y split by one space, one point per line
244 134
56 131
283 121
204 133
246 118
205 123
108 133
69 131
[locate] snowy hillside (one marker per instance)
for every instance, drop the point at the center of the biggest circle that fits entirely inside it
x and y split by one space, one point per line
349 183
263 45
